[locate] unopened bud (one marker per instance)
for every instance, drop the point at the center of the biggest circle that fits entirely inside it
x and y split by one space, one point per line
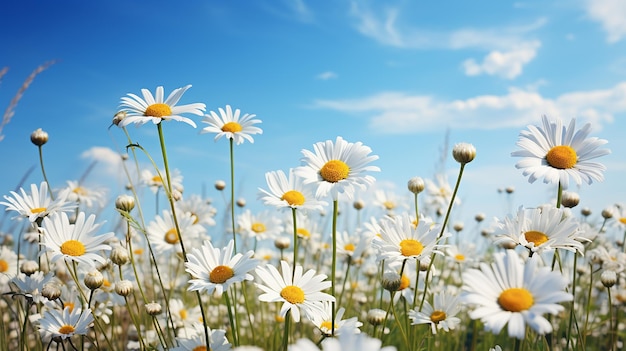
464 153
39 137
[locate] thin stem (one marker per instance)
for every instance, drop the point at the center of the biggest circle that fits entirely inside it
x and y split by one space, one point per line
571 311
608 290
559 195
334 264
295 242
232 194
286 332
43 171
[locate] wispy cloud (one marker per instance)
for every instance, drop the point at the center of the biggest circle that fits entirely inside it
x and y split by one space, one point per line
397 112
326 75
612 16
104 155
509 48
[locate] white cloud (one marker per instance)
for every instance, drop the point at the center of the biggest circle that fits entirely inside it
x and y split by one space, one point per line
326 75
104 155
612 16
507 64
396 112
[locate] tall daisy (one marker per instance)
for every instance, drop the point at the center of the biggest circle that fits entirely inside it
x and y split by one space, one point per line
231 125
400 239
75 242
260 226
556 153
64 324
440 315
345 341
153 108
511 291
337 167
289 192
324 323
300 294
38 204
214 271
540 229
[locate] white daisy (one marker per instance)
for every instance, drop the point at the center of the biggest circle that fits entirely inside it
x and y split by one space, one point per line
199 208
154 109
337 168
197 341
8 267
400 239
439 193
261 226
324 322
302 293
31 285
214 271
556 153
540 229
155 181
289 192
345 341
38 204
64 324
441 316
511 291
231 126
84 195
74 242
164 236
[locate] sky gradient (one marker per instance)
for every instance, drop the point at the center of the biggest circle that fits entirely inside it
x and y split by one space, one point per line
402 77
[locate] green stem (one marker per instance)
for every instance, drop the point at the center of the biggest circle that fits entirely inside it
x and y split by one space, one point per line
286 332
612 338
43 172
232 194
559 195
295 242
334 264
572 308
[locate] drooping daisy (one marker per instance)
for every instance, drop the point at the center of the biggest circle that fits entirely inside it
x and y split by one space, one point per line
324 322
214 271
154 109
231 126
337 168
345 341
511 291
540 229
74 242
64 324
400 239
441 315
263 225
556 153
31 285
38 204
289 192
302 294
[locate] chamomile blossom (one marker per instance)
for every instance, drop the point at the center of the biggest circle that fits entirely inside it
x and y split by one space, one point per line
74 242
31 285
260 226
337 168
513 292
324 322
301 294
556 153
289 192
440 315
8 267
214 270
231 125
197 340
156 181
38 204
84 195
64 324
345 341
199 208
153 108
164 235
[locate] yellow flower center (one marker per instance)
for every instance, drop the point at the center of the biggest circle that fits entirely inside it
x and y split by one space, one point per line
79 191
258 227
66 329
293 294
328 325
279 319
404 282
232 127
73 248
411 247
459 257
562 157
138 251
171 236
622 220
183 314
38 209
199 348
106 283
158 110
334 171
156 179
220 274
389 205
437 316
195 217
293 198
515 299
535 237
303 233
69 305
4 266
349 247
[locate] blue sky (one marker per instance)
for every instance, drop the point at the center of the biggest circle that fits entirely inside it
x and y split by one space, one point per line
395 75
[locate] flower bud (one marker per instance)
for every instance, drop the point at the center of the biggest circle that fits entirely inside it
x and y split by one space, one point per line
358 205
39 137
125 203
220 185
569 199
416 185
479 217
607 213
29 267
458 226
94 279
608 278
51 291
282 242
391 281
124 287
464 153
119 117
119 256
153 308
241 202
586 211
376 316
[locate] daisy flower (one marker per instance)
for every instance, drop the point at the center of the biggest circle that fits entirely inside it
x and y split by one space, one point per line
439 193
231 126
164 236
260 226
440 316
511 291
540 229
31 285
74 242
303 293
64 324
8 266
289 192
197 341
324 322
214 271
84 195
154 109
156 182
337 168
199 208
38 204
400 239
556 153
345 341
